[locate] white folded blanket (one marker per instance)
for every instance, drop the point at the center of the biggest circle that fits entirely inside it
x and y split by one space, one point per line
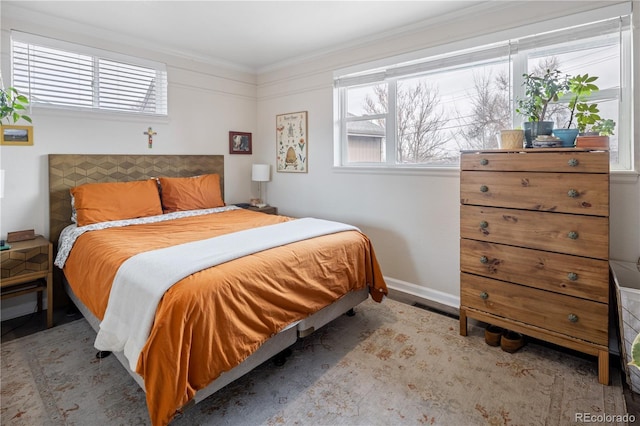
142 280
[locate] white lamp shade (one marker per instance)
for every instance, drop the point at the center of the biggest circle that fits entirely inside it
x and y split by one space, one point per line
261 173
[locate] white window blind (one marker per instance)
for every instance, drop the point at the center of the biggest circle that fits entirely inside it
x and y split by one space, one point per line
56 73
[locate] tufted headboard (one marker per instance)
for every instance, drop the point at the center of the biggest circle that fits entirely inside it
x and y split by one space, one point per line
69 170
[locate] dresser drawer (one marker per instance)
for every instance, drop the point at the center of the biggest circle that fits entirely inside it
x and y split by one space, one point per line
555 192
558 232
537 160
579 318
571 275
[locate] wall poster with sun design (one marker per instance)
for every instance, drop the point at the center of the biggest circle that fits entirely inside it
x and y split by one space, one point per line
291 142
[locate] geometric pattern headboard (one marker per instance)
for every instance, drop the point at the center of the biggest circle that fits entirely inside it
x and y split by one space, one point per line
69 170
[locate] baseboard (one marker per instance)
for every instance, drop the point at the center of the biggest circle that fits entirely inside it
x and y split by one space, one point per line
435 299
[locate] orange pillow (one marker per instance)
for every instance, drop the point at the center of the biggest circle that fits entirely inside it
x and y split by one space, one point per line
103 202
190 193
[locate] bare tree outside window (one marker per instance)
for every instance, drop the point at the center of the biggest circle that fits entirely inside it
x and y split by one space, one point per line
490 112
420 121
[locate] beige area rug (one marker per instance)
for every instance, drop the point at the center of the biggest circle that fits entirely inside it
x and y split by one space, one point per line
391 364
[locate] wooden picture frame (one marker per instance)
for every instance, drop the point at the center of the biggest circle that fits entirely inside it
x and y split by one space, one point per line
240 143
16 135
292 140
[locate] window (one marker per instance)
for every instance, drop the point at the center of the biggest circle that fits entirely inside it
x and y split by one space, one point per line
423 112
59 74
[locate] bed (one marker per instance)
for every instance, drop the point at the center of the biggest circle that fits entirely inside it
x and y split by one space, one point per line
216 321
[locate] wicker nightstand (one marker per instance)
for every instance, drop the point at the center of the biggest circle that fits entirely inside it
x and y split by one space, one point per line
26 268
265 209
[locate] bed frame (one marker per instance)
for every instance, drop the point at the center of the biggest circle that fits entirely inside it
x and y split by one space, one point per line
69 170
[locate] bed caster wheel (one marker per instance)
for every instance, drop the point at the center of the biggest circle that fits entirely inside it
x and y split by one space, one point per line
102 354
280 359
72 311
351 313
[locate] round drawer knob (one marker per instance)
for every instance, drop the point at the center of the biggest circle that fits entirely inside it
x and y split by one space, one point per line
484 224
572 317
573 162
484 162
573 235
484 188
484 260
572 276
573 193
484 295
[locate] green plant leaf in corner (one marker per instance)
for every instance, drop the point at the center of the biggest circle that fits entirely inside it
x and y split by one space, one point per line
635 352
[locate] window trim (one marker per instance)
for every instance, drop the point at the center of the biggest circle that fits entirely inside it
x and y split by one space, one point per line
369 73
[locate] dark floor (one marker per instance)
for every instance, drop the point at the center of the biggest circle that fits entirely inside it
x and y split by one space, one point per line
29 324
37 321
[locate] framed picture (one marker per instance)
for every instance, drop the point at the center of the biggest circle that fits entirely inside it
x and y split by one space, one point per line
239 143
292 140
16 135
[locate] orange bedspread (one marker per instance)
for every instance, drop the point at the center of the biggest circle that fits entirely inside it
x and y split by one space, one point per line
211 321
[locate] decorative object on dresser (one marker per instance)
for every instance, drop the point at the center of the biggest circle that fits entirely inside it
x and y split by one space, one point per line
261 173
534 247
26 268
511 139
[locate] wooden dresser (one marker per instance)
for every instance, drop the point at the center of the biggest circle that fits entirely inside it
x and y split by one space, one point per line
534 247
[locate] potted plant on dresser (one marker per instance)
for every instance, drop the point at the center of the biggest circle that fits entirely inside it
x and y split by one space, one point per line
597 135
540 91
585 114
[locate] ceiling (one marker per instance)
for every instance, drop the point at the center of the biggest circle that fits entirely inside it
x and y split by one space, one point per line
251 35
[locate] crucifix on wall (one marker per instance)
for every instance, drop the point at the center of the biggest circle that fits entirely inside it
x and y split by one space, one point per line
150 133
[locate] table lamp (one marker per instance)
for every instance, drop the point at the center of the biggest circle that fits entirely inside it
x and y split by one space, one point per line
261 173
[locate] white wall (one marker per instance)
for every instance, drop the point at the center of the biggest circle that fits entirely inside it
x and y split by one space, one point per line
413 219
205 103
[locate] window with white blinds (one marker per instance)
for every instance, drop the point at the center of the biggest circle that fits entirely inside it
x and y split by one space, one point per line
60 74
